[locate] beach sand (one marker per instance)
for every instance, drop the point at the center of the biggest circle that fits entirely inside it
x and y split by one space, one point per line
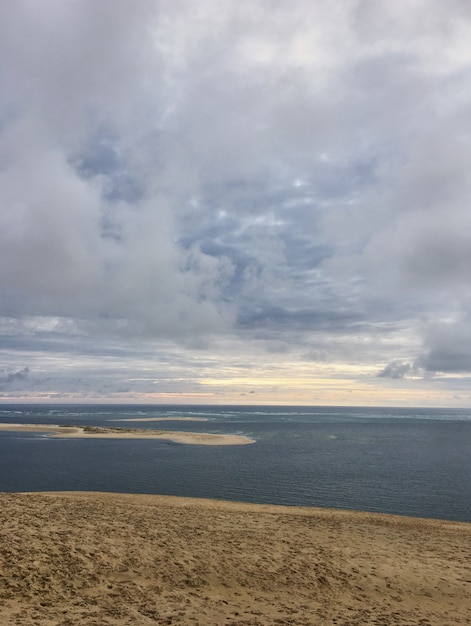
100 432
98 559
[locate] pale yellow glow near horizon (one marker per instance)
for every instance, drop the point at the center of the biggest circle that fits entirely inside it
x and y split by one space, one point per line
250 381
289 398
276 390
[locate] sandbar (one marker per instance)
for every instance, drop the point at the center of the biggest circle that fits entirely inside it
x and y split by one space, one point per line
99 432
161 419
97 558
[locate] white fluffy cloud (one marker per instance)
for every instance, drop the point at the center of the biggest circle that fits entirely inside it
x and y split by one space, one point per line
235 172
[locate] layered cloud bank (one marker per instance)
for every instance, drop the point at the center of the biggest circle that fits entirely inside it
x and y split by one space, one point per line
235 201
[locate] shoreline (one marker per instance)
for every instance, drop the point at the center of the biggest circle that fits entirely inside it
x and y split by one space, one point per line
113 558
102 432
373 517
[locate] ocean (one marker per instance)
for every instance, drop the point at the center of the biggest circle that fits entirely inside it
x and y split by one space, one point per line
414 462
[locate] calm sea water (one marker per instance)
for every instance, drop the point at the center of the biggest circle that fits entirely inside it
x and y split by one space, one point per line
406 461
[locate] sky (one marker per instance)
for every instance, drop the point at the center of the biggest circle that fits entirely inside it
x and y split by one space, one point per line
236 202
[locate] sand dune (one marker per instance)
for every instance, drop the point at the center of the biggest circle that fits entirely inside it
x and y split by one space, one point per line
81 559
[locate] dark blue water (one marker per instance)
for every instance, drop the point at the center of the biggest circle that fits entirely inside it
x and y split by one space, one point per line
405 461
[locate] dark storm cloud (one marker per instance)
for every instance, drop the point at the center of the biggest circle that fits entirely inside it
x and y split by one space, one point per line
447 347
8 378
272 317
396 369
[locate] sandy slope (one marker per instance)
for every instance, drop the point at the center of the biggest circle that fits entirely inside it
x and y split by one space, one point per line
83 559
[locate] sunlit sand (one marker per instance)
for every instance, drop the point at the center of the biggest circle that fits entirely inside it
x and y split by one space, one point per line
98 432
90 558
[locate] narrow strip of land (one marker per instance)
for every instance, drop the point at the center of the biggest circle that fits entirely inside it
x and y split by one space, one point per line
161 419
100 432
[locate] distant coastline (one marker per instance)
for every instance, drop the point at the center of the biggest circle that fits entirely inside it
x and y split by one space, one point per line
162 419
100 432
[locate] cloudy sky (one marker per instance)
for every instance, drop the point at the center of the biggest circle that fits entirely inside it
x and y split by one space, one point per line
236 201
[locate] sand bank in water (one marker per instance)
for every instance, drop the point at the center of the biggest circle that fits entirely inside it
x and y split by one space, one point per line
161 419
84 558
98 432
